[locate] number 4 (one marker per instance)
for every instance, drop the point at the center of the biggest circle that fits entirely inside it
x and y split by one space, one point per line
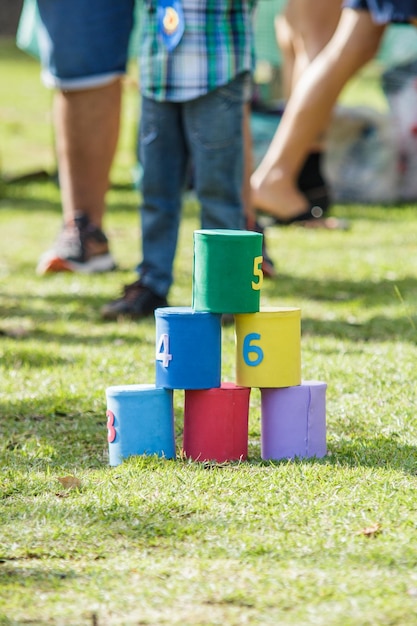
162 350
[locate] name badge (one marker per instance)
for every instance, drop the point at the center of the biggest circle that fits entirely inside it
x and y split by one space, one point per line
171 22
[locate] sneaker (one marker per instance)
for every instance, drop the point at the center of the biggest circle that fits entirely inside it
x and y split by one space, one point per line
137 301
79 248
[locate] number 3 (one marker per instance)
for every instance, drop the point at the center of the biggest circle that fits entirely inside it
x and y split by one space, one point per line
111 431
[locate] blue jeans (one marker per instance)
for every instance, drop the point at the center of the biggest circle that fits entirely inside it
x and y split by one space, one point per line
206 131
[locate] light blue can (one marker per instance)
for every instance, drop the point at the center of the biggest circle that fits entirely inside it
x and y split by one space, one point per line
140 420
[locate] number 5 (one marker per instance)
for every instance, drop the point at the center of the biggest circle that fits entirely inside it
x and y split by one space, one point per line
257 271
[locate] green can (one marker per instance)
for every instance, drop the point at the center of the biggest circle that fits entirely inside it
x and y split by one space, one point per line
227 271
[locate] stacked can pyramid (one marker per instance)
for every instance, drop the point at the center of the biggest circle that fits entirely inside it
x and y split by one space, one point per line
227 279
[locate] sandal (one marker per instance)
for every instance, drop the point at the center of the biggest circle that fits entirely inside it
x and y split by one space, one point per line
314 217
312 184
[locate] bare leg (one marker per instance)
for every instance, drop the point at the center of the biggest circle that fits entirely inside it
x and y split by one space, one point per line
87 129
302 32
284 34
312 25
308 112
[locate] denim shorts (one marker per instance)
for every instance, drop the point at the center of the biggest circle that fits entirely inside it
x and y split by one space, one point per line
386 11
84 43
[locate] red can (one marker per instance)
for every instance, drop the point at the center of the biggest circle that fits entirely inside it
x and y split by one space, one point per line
216 423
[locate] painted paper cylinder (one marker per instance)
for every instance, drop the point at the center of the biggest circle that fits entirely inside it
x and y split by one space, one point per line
293 422
216 423
268 348
140 420
227 272
188 348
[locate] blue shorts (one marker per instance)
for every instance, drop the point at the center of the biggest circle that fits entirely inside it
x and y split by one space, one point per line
84 43
386 11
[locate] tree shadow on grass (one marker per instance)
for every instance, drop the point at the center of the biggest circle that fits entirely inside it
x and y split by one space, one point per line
364 293
19 192
39 357
375 329
18 197
39 314
376 452
84 307
373 452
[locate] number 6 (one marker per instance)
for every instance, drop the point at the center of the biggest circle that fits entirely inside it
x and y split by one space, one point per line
249 348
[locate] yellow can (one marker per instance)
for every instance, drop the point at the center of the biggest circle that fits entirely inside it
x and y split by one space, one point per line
268 348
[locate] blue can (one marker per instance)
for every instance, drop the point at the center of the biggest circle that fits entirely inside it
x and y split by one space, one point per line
140 420
188 348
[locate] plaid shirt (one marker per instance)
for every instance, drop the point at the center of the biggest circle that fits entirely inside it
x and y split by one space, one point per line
216 46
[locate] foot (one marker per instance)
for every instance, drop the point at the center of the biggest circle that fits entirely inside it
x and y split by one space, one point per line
275 195
82 247
137 302
285 204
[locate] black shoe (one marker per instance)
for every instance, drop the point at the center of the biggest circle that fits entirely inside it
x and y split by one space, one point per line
311 176
137 302
313 185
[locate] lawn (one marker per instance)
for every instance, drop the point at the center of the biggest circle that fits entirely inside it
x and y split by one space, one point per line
329 542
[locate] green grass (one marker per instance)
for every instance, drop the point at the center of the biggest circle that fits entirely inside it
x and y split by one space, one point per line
174 542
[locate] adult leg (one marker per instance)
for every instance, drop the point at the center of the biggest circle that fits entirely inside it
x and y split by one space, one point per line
85 152
84 53
302 31
86 129
284 35
308 112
